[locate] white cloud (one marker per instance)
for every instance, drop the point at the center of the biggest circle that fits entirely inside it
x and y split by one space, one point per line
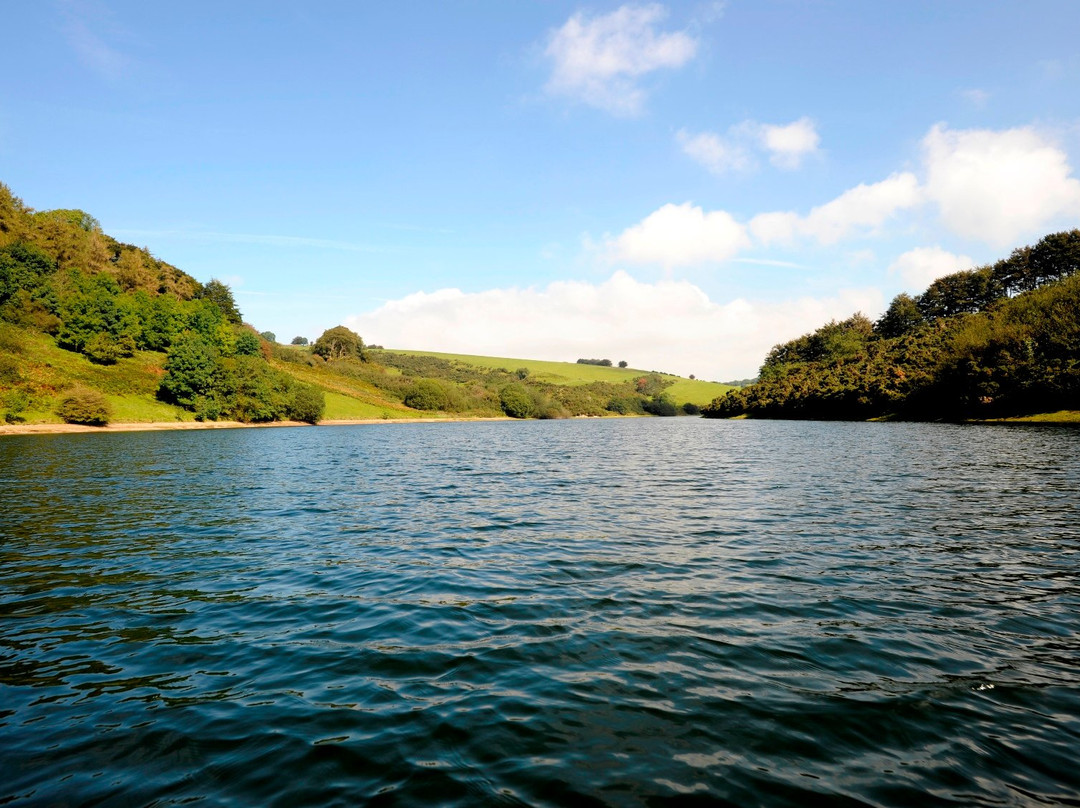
976 97
789 144
786 144
715 153
922 266
599 60
680 235
864 207
669 325
999 186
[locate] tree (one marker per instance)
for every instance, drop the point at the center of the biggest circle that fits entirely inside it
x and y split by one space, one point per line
247 344
902 316
308 404
339 343
269 336
84 406
622 364
516 401
192 370
427 394
221 295
299 341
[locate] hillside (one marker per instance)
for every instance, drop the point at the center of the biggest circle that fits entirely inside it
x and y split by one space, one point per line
681 391
93 330
990 343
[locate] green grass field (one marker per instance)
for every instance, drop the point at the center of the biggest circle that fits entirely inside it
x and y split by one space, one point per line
682 391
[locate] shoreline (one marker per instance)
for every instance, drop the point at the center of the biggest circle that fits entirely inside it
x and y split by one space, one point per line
164 426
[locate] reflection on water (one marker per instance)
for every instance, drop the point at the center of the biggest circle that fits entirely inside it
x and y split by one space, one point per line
624 612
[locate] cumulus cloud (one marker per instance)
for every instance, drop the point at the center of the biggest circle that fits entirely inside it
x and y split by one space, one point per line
789 144
599 60
786 145
717 154
864 207
680 235
999 186
668 325
922 266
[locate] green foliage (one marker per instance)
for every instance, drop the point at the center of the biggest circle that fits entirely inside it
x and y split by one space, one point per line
339 343
299 341
659 406
84 406
902 317
308 404
193 371
622 363
427 394
105 349
247 344
969 351
691 409
516 401
269 336
218 293
606 363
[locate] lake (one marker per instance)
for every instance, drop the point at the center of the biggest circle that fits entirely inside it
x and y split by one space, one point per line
636 612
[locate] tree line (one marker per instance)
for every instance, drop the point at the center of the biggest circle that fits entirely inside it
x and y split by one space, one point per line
997 340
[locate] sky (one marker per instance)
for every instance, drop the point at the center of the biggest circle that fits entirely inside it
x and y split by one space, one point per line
678 185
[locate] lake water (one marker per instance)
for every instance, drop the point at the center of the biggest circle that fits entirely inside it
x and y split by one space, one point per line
634 612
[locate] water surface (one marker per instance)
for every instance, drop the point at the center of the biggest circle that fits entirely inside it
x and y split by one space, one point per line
622 612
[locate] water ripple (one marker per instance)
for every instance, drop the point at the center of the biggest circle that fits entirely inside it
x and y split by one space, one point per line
634 612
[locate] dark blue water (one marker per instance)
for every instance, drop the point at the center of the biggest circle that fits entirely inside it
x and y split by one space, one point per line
623 612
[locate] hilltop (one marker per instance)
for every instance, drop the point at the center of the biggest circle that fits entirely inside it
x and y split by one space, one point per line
93 330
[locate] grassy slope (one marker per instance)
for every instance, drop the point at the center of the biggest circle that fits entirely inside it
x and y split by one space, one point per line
683 390
130 385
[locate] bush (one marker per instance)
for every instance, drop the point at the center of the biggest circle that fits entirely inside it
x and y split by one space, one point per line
247 344
516 401
308 404
659 406
83 406
625 405
691 409
427 394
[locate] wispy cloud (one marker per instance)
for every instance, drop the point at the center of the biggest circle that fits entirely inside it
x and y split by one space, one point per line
600 60
255 238
83 24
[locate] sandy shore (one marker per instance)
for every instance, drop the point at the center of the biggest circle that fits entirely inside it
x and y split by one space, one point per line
57 429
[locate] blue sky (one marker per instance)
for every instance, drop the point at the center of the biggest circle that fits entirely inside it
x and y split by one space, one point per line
680 185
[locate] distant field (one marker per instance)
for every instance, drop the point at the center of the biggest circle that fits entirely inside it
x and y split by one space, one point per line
682 391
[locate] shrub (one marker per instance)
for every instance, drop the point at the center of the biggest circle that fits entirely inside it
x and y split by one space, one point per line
516 401
427 394
308 404
83 406
247 344
691 409
659 406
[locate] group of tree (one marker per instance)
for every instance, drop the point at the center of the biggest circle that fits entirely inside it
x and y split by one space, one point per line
60 274
987 342
117 305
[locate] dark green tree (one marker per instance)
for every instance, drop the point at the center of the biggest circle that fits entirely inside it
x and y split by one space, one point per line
221 296
902 316
339 343
516 401
193 370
